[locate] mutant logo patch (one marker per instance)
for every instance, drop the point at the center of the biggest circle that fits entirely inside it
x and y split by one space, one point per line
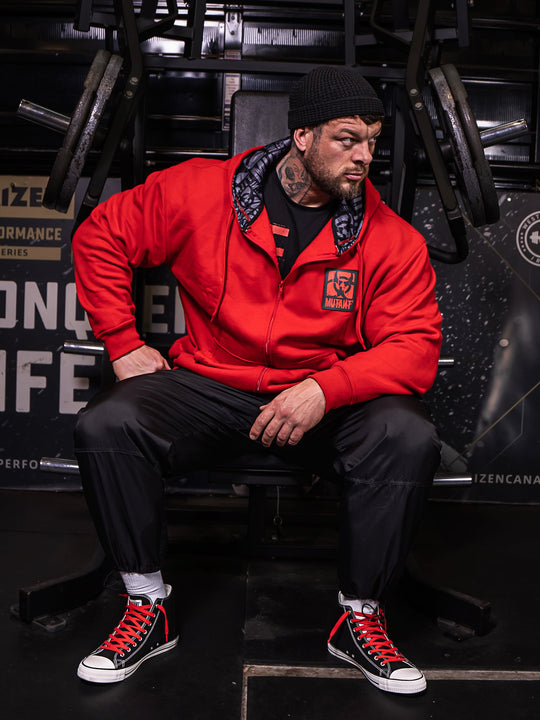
340 290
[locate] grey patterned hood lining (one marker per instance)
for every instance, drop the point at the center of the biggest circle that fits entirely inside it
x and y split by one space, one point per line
247 190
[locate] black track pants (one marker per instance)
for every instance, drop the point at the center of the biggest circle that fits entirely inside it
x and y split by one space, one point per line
383 453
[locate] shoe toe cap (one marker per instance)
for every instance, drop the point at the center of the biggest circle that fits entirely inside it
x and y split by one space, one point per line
99 662
407 674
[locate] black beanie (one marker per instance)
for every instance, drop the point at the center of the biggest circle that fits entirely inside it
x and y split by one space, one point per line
330 92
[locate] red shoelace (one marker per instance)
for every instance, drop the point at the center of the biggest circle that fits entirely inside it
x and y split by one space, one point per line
132 626
372 630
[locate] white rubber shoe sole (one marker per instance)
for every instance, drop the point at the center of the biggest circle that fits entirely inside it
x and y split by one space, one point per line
92 673
411 681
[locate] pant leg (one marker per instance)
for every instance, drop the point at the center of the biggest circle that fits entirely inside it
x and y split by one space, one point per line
129 438
385 454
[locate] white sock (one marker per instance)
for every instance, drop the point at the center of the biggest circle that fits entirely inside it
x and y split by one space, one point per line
365 606
148 584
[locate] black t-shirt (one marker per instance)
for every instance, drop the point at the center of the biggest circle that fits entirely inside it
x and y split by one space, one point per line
294 226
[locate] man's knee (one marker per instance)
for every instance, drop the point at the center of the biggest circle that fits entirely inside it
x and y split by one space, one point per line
393 439
408 428
101 420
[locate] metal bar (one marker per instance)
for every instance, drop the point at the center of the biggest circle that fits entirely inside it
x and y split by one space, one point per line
83 17
59 465
195 23
147 24
414 82
64 593
446 604
414 77
84 347
403 158
451 480
127 105
383 34
246 65
504 133
43 116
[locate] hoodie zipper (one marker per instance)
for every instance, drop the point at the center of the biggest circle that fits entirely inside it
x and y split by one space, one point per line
279 295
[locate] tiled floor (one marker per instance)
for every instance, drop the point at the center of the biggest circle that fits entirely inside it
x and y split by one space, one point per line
253 630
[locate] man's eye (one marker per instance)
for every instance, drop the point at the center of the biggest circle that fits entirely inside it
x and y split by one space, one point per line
347 141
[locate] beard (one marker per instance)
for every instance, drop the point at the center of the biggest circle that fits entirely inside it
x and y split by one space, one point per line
336 186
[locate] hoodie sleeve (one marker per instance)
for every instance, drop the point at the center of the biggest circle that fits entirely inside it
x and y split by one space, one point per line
122 233
401 325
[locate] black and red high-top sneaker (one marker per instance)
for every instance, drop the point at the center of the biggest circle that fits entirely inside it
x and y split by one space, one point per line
359 637
147 629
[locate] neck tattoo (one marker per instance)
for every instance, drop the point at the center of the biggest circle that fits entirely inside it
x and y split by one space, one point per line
294 177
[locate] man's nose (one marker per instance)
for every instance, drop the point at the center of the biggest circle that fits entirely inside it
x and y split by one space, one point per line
362 153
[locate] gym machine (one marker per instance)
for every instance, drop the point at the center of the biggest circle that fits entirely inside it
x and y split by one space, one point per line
447 141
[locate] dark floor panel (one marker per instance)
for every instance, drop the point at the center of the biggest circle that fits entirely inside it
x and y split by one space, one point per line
234 611
290 608
201 678
478 550
320 699
488 551
50 535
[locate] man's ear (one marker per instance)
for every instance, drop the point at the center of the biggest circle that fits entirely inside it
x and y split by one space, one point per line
301 137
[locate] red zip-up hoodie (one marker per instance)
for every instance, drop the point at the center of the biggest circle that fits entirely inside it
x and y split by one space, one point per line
357 312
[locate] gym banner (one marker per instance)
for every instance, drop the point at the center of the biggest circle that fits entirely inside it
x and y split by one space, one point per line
487 405
41 387
28 230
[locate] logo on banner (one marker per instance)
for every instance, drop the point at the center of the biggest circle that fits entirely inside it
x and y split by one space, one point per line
340 290
29 231
528 238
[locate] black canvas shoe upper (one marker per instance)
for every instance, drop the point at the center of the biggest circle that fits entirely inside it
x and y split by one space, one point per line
360 637
143 628
146 629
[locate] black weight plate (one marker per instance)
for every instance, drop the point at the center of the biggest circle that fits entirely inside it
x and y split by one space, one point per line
470 128
78 119
465 171
86 138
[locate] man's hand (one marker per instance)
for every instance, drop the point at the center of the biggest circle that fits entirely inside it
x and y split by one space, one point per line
141 361
290 414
